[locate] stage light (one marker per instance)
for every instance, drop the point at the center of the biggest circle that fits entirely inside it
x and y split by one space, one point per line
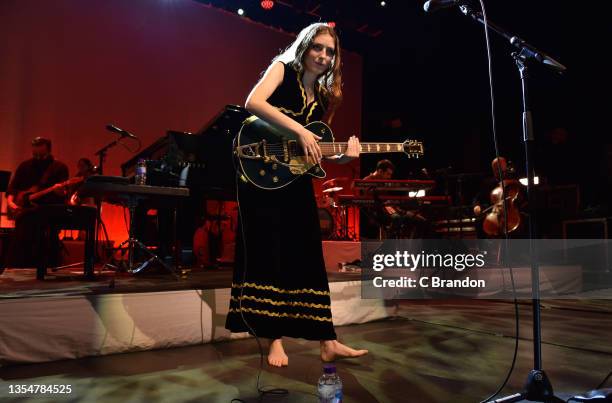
331 24
267 4
383 3
536 181
240 11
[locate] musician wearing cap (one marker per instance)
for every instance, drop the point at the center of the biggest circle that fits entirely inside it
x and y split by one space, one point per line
40 175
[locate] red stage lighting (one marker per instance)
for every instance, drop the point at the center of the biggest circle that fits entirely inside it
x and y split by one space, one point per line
267 4
331 24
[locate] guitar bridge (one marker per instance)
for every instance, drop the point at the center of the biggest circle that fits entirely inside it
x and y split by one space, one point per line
253 151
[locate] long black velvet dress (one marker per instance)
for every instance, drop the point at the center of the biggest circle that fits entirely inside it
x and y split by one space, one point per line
286 292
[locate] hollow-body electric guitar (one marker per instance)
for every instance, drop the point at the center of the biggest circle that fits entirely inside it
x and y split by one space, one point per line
271 159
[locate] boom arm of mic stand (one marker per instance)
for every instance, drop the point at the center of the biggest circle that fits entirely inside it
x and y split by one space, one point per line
102 154
526 51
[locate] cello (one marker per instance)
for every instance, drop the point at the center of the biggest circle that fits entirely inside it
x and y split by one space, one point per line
503 214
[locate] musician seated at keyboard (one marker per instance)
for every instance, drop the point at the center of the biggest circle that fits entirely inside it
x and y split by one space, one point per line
386 220
36 174
374 218
384 170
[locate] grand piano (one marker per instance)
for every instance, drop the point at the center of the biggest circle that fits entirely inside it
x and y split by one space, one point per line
207 155
201 161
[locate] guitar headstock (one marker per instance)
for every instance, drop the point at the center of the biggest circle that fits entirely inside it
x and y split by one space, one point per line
413 148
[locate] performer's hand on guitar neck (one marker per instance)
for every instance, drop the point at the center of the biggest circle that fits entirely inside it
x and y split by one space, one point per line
352 149
308 142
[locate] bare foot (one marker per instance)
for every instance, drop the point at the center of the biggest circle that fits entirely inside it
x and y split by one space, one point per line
276 355
332 350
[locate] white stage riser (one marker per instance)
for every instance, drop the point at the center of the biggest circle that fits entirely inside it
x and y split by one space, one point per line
55 328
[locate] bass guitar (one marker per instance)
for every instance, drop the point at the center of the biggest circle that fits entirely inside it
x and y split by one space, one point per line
270 158
27 198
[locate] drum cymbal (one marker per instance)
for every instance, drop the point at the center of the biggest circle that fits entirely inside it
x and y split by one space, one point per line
332 190
334 182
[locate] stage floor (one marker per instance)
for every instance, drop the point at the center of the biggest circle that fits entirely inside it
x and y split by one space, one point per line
22 283
433 351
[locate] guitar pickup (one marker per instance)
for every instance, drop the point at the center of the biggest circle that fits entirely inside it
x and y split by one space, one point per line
291 149
286 147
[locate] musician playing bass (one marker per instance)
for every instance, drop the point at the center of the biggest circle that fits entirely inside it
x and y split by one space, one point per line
40 172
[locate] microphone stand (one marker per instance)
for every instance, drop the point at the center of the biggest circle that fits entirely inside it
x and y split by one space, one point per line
537 387
101 153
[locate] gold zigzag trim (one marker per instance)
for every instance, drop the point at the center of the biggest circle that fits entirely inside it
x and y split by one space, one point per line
281 290
314 104
282 315
304 99
292 303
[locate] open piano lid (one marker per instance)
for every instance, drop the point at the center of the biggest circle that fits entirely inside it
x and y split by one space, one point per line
208 153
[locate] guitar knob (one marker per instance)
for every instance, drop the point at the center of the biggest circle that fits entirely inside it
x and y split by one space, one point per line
262 172
275 179
274 166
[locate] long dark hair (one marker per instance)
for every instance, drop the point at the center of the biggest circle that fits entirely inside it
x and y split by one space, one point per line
331 80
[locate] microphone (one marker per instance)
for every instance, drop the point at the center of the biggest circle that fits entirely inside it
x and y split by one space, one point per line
123 133
435 5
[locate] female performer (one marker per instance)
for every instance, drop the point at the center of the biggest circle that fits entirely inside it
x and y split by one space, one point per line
280 285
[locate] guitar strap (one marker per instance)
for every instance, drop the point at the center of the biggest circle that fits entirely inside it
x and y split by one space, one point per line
44 179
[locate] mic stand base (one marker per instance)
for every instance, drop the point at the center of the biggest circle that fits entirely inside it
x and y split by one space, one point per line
537 388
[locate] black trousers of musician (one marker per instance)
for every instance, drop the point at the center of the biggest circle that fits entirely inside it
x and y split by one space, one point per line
26 244
36 242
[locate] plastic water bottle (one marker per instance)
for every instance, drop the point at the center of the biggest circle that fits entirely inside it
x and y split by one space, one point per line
141 172
329 388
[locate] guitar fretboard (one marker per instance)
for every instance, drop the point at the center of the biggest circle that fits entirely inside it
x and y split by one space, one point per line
340 147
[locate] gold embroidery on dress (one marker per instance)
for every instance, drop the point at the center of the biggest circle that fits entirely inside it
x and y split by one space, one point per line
291 303
304 103
282 315
311 110
272 288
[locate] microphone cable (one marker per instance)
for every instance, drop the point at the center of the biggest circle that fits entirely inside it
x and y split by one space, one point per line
262 392
505 210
